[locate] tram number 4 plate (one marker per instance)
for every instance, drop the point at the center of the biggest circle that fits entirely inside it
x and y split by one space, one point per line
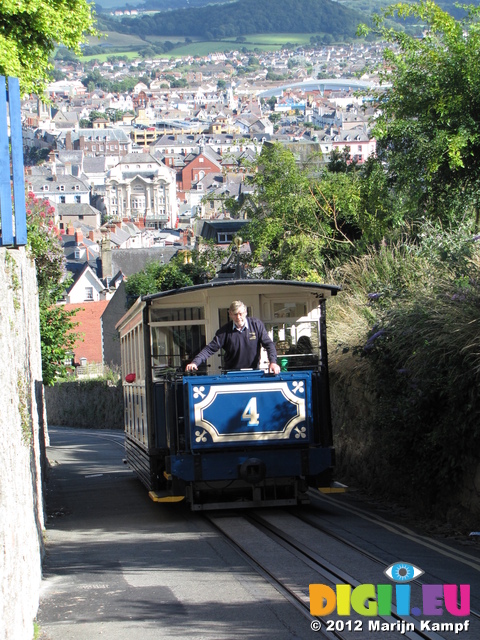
255 412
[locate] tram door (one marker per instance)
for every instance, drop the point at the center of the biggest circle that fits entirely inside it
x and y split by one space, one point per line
220 306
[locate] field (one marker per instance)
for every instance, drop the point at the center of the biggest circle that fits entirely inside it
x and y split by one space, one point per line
117 43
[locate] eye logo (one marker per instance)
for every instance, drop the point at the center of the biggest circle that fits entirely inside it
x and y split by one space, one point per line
402 572
371 600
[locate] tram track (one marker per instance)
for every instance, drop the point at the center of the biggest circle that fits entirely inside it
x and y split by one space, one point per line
267 541
443 549
439 547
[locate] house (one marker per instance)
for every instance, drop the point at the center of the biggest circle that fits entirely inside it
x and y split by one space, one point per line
223 231
140 187
86 287
65 189
97 142
88 349
112 313
197 167
65 120
80 249
358 142
68 214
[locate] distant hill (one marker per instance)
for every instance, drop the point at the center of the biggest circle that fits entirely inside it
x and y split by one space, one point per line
245 17
153 5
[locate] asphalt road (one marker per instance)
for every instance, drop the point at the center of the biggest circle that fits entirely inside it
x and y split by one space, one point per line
119 566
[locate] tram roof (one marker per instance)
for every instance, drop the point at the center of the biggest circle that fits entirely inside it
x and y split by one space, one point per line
326 290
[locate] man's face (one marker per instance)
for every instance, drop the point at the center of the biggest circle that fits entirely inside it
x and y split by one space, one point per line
238 317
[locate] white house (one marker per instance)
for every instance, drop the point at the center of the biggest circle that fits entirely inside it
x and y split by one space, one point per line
140 187
85 288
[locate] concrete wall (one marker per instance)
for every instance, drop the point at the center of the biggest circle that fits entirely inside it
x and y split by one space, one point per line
86 404
22 446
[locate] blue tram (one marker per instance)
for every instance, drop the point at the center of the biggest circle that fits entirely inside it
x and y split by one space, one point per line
228 438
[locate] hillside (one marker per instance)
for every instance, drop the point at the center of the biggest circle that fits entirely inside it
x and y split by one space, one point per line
153 5
245 17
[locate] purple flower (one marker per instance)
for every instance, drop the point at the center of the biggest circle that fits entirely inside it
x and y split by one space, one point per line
376 335
372 339
374 296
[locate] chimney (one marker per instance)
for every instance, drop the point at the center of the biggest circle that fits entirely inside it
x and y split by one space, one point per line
68 141
106 256
70 230
78 236
91 236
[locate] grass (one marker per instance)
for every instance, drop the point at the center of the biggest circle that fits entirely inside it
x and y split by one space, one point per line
404 334
103 57
117 43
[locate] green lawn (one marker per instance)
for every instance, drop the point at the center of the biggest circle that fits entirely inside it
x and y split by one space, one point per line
116 43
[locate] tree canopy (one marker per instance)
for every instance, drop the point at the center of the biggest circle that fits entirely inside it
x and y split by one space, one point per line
428 130
29 32
303 220
233 19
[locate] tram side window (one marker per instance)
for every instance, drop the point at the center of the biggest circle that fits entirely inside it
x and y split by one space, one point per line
174 346
132 353
180 314
297 344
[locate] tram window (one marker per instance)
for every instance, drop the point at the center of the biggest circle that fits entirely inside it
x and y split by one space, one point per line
173 347
297 343
289 309
176 315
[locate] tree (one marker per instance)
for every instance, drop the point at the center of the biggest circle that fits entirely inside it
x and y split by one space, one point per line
185 269
286 235
303 222
56 324
272 102
275 119
428 131
29 32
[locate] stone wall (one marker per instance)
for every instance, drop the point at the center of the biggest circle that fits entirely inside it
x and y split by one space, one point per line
22 446
87 404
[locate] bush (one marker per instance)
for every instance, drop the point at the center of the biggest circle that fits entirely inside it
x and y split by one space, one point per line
409 315
56 324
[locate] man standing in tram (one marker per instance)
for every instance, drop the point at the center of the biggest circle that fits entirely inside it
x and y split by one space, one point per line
241 339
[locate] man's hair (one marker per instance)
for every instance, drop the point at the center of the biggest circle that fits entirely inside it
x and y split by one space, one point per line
237 305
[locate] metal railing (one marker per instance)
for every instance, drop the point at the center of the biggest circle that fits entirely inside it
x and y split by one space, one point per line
13 215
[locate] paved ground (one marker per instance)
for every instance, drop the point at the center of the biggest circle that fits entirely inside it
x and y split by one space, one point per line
119 566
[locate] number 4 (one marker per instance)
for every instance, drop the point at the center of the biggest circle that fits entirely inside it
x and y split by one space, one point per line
250 413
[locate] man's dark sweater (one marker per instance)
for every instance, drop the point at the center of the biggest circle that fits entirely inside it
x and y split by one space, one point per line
242 348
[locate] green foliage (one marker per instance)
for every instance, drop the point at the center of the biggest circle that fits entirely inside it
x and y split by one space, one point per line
233 19
282 214
185 269
303 223
428 130
56 324
410 313
29 32
95 79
